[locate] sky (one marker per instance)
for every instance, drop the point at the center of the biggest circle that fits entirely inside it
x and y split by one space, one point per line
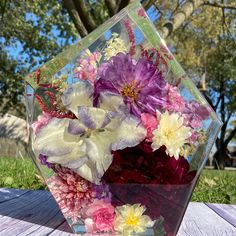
15 51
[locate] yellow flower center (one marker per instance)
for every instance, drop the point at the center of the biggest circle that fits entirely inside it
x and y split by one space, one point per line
81 187
132 220
129 91
169 134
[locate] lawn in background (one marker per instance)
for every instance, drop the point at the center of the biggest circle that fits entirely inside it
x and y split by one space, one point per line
19 173
214 185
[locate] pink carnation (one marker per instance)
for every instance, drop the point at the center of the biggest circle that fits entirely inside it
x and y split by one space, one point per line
100 217
150 123
42 121
71 192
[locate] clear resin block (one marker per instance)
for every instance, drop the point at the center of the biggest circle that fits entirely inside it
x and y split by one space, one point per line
118 131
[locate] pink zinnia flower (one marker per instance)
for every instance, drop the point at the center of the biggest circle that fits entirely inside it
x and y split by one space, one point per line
42 121
150 123
100 217
71 192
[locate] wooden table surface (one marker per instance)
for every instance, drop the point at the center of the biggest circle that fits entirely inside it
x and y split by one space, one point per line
27 212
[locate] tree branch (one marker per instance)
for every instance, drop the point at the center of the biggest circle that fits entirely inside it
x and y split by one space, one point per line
123 3
70 6
217 103
222 105
179 17
220 5
85 15
148 3
3 9
230 137
228 118
111 6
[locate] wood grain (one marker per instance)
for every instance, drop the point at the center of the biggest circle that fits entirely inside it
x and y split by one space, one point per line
201 220
35 213
225 211
7 194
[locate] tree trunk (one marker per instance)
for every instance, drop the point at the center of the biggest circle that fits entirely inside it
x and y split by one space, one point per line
169 27
179 17
220 158
71 8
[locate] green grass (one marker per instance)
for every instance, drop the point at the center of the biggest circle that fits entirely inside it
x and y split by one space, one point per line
214 186
19 173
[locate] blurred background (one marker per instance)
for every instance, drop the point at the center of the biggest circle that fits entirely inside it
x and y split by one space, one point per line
200 33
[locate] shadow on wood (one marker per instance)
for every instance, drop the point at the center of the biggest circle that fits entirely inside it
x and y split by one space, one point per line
33 209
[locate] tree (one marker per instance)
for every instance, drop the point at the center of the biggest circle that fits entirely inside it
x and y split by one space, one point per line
31 33
221 69
178 11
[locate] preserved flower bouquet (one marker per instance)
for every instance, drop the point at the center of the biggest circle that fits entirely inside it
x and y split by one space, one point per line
118 131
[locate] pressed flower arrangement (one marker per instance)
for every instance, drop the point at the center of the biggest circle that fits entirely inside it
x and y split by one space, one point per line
118 131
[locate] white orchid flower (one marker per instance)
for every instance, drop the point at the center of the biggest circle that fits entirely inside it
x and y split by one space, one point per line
85 144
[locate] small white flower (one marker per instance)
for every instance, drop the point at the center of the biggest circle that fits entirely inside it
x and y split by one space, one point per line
114 46
171 133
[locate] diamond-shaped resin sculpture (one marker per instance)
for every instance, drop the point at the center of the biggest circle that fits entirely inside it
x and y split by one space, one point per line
118 131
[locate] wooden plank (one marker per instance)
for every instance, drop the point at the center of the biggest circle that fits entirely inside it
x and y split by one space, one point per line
40 217
228 212
201 220
25 212
17 204
13 206
234 206
47 224
10 193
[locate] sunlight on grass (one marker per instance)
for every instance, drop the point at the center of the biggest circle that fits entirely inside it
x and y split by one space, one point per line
216 186
19 173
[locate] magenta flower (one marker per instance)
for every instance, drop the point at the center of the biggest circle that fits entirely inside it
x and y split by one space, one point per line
71 192
100 217
140 83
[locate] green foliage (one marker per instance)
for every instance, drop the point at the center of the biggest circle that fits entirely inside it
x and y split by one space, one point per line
19 173
221 70
31 33
216 186
98 10
11 86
